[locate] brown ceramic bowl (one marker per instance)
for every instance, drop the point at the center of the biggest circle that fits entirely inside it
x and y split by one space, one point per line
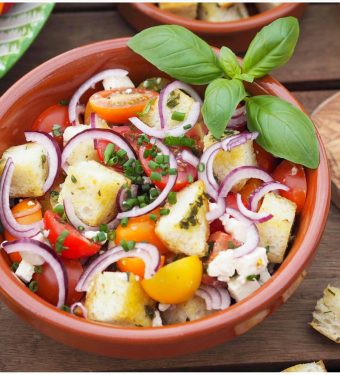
57 79
234 34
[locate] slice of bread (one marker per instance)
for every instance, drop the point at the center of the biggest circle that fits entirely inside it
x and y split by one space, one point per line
307 367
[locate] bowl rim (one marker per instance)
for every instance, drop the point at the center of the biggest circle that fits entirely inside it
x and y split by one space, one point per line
295 262
255 21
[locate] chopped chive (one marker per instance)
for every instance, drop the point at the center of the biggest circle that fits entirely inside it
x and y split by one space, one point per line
108 153
155 176
56 130
54 195
73 179
33 286
59 245
172 171
178 116
103 228
190 178
182 141
111 236
121 153
81 228
14 266
38 269
253 277
63 102
127 245
59 209
43 159
164 211
172 197
65 308
153 217
124 222
154 193
100 237
152 165
201 167
187 127
146 187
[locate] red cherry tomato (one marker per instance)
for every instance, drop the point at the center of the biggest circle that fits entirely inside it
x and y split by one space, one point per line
197 133
293 175
48 286
54 115
5 7
265 160
251 185
231 201
222 241
75 245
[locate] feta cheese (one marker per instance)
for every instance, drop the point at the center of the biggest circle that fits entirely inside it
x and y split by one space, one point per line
222 266
236 228
91 234
264 276
34 259
25 271
253 263
157 320
239 288
114 82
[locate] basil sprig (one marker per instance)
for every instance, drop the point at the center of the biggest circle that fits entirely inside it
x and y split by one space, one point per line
285 131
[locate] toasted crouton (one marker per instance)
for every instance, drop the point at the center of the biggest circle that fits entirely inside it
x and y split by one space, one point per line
193 309
326 316
186 229
215 12
116 297
307 367
275 233
178 101
93 189
187 10
226 161
30 170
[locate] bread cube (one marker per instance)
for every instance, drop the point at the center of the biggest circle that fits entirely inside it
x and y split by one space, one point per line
193 309
114 82
326 316
217 12
93 189
275 233
226 161
307 367
117 298
30 170
239 288
185 229
187 10
178 101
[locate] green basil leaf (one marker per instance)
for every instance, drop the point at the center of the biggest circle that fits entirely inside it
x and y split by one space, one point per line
272 47
221 99
284 130
244 77
229 63
178 52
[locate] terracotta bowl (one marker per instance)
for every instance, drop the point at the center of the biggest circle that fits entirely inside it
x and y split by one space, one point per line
57 79
234 34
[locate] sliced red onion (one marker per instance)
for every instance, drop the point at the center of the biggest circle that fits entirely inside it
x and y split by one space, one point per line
163 97
93 126
50 257
218 211
239 174
91 82
254 216
215 297
147 252
163 195
253 237
262 190
237 140
6 217
53 155
78 305
123 195
92 134
240 111
29 211
80 111
190 158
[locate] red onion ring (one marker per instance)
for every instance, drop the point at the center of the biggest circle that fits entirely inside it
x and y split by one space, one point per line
92 134
29 211
8 220
80 110
122 195
91 82
241 173
262 190
218 211
215 297
93 126
190 158
50 257
253 237
237 140
147 252
254 216
78 305
53 155
240 111
163 195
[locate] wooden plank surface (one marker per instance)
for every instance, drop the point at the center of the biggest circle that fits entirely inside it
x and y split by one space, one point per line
282 339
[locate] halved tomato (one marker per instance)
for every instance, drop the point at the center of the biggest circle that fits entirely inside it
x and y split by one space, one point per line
117 106
265 160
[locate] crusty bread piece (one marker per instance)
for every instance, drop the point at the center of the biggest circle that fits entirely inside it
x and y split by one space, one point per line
116 297
187 10
307 367
226 161
326 316
93 189
30 170
275 232
185 229
263 7
179 102
215 12
193 309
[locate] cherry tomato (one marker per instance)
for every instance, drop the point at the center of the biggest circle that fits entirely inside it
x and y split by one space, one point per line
265 160
48 286
222 241
176 282
293 175
141 229
74 244
33 215
231 201
5 7
197 133
135 265
117 106
184 170
55 115
251 185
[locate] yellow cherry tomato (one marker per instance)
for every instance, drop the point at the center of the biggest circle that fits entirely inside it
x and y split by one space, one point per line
176 282
135 265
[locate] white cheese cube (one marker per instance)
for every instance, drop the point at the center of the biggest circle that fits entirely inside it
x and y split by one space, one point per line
253 263
239 289
25 271
222 266
113 82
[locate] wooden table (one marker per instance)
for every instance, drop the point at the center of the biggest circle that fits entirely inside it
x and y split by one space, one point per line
283 339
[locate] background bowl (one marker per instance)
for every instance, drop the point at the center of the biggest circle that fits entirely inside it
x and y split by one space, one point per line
234 34
57 79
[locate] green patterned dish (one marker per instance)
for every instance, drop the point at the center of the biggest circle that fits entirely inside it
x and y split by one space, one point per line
18 29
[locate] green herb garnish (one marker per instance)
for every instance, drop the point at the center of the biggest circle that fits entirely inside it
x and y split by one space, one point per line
172 197
59 245
127 245
155 176
59 209
73 179
253 277
164 211
14 266
124 222
56 130
179 141
63 102
33 286
153 217
38 270
65 308
178 116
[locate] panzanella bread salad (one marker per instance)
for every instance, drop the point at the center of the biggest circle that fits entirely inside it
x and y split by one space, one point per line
148 203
